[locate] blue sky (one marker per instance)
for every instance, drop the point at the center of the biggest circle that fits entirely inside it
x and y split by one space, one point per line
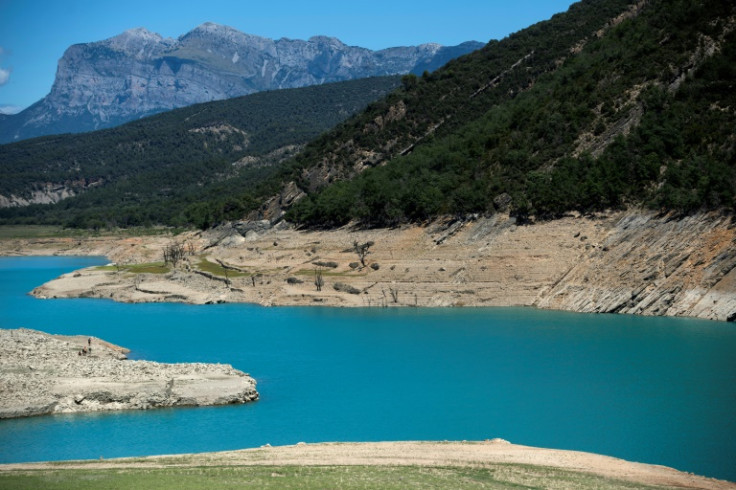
34 34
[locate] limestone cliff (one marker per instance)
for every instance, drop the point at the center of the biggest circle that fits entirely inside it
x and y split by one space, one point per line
139 73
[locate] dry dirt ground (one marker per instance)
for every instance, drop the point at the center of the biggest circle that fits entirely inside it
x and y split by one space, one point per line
425 454
626 262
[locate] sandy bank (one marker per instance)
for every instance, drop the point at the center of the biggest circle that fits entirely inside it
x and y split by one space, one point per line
44 374
426 454
624 262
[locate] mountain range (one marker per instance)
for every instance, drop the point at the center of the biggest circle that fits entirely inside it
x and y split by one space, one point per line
150 170
139 73
612 104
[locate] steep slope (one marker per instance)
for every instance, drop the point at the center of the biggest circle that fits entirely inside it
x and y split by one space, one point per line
139 73
609 104
156 170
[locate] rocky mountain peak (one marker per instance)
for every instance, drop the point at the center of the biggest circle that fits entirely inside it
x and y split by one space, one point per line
133 40
223 41
141 33
138 73
218 32
327 41
212 28
429 47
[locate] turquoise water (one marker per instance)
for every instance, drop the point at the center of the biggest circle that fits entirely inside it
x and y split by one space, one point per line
654 390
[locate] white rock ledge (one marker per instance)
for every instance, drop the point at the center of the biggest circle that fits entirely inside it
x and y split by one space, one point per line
45 374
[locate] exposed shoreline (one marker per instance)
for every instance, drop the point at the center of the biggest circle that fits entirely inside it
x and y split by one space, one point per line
425 454
46 374
631 262
619 262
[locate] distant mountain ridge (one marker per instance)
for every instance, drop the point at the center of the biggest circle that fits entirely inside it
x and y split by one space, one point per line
167 163
138 73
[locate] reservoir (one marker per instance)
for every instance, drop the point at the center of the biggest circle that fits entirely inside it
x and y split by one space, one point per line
653 390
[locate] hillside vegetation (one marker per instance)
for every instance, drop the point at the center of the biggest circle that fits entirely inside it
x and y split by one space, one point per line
159 169
610 104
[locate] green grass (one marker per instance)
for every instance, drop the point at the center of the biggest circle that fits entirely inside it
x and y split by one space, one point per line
500 476
149 268
218 270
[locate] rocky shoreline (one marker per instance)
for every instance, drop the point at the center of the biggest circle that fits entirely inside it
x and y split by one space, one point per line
633 262
47 374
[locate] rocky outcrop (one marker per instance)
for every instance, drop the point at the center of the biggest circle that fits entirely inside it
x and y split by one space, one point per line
651 265
49 194
45 193
139 73
41 192
45 374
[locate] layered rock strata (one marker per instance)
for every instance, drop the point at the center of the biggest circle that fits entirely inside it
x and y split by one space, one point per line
46 374
634 262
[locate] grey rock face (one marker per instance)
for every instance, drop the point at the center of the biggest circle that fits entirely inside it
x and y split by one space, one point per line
43 374
139 73
648 265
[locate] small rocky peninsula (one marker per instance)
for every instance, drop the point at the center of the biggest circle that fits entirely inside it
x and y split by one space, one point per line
45 374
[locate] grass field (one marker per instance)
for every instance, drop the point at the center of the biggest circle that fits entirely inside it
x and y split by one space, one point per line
286 477
148 268
218 270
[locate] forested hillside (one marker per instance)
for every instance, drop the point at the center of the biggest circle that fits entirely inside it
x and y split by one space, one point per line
160 169
610 104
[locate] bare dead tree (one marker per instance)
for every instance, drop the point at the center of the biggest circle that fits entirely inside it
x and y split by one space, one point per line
318 280
394 294
362 250
174 253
